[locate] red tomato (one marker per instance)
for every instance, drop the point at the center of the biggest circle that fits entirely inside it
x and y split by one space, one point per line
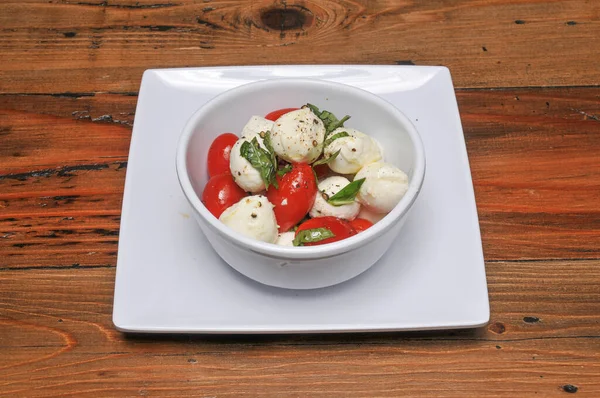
276 114
340 228
218 154
295 196
221 192
360 224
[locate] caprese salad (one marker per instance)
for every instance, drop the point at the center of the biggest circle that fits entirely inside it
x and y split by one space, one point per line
299 177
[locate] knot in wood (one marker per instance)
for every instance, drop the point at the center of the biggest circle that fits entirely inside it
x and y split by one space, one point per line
286 18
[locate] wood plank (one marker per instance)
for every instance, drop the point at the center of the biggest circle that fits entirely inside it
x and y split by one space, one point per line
534 164
544 335
58 46
43 141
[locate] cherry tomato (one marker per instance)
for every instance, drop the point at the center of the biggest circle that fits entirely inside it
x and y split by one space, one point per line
221 192
277 114
295 196
218 154
360 224
340 228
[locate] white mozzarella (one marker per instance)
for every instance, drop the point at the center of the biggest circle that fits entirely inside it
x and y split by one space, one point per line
356 150
255 126
286 239
383 188
327 188
298 136
254 217
246 176
369 215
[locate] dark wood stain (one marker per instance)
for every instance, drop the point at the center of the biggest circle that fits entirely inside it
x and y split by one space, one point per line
286 18
404 62
570 388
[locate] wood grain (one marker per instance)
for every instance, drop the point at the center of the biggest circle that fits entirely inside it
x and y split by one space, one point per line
544 334
100 46
529 95
533 155
534 163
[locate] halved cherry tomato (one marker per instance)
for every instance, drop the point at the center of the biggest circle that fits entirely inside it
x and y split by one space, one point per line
277 114
340 228
221 192
295 196
218 154
360 224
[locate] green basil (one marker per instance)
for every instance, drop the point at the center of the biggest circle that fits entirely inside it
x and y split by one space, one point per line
267 141
312 235
334 137
261 160
329 120
347 194
336 124
284 170
327 160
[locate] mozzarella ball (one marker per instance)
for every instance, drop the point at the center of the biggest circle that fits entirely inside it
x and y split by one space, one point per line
383 188
329 187
298 136
255 126
246 176
286 239
369 215
252 216
356 150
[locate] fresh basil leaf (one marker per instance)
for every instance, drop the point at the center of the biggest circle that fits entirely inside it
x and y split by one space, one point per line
337 124
314 110
261 160
334 137
284 170
267 141
347 194
312 235
327 160
329 120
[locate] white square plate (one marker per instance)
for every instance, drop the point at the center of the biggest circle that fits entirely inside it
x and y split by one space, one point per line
169 279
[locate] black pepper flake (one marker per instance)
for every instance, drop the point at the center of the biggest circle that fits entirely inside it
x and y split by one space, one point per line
253 215
239 173
315 121
353 149
315 143
325 196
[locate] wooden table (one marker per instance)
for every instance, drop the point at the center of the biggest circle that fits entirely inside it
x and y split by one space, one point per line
527 76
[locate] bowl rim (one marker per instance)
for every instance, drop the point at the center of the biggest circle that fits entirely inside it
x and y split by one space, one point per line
304 252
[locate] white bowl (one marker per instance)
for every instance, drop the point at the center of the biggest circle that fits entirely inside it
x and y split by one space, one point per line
300 267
